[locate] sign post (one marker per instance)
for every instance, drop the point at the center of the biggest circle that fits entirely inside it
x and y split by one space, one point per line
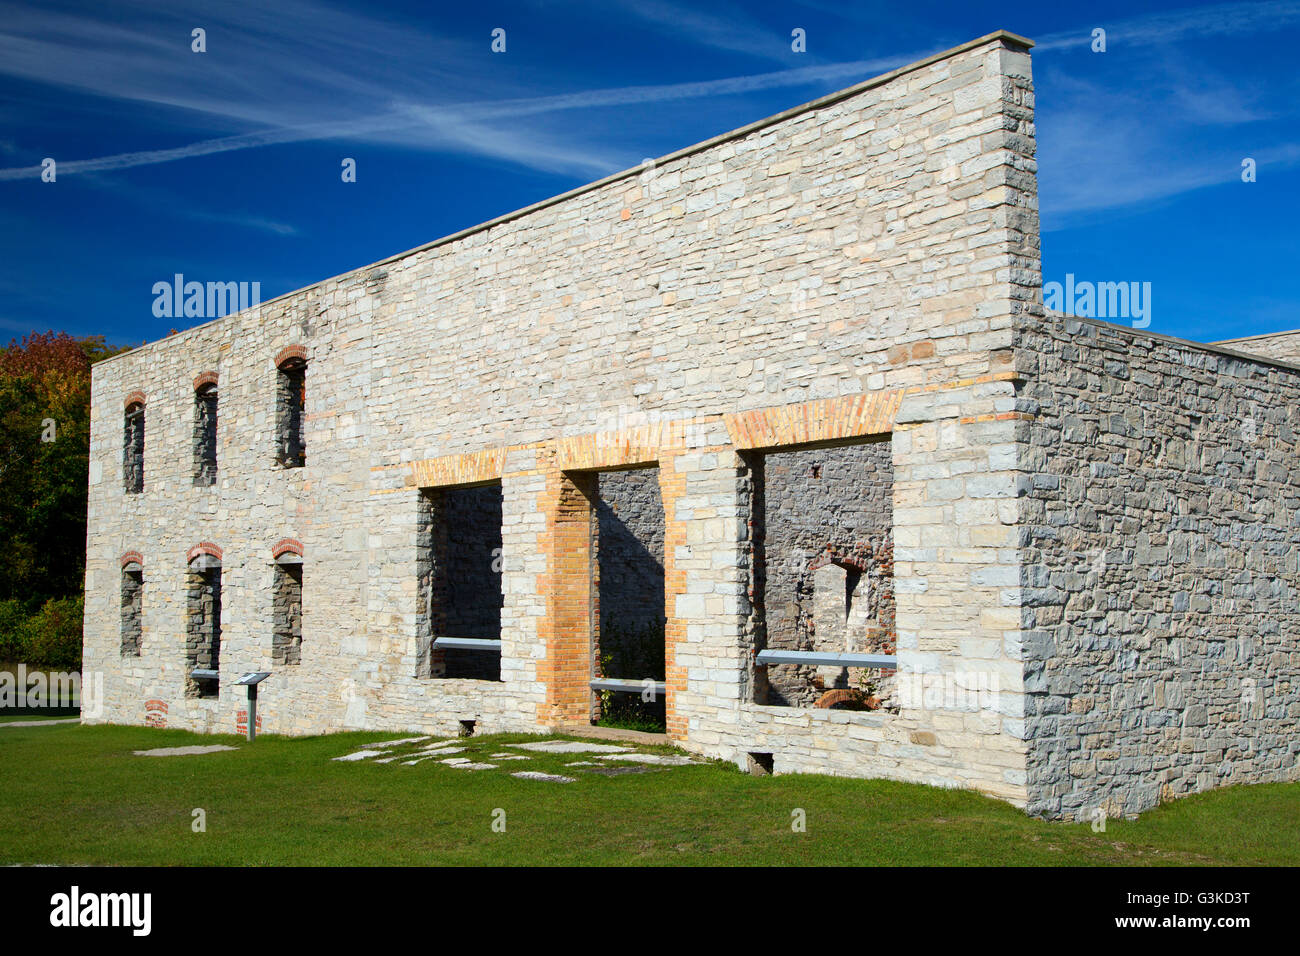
251 681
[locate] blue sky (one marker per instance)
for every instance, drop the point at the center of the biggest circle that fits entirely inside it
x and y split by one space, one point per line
225 165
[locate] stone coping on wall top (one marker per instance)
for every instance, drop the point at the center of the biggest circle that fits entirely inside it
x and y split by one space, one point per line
997 36
1245 340
1214 348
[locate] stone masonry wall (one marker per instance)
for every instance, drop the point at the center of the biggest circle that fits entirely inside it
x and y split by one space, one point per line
1162 634
852 268
956 570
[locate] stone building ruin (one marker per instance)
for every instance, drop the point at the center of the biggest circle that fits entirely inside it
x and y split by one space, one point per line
787 400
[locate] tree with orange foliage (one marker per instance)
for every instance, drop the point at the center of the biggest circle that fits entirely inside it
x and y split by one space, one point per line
44 464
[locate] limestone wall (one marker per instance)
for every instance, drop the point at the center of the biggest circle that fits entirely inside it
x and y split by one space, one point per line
847 270
1162 632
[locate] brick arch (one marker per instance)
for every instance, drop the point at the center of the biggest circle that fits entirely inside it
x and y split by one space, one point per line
290 352
203 379
850 562
131 557
847 698
133 398
286 546
203 547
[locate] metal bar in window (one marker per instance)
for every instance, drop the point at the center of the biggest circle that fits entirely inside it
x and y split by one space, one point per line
825 659
467 644
627 686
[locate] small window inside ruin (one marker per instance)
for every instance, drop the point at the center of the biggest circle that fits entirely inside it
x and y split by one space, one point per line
286 639
821 574
132 607
203 627
290 403
458 566
205 435
133 449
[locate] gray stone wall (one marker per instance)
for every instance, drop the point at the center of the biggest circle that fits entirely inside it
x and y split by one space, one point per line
1160 573
827 505
956 481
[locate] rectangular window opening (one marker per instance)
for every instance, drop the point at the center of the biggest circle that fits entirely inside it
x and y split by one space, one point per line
203 629
205 436
133 450
286 638
132 605
459 560
821 573
290 405
628 655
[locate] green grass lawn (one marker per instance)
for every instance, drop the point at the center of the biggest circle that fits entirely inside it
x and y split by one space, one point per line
75 794
63 713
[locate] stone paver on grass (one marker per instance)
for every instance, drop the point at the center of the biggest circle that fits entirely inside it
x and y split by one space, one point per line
571 747
460 753
405 740
665 760
182 751
626 768
362 755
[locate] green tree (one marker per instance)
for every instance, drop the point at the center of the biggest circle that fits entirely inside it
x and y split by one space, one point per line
44 465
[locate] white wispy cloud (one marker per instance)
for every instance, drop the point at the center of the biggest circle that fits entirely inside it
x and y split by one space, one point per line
722 26
1104 145
1225 19
461 127
303 60
156 198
